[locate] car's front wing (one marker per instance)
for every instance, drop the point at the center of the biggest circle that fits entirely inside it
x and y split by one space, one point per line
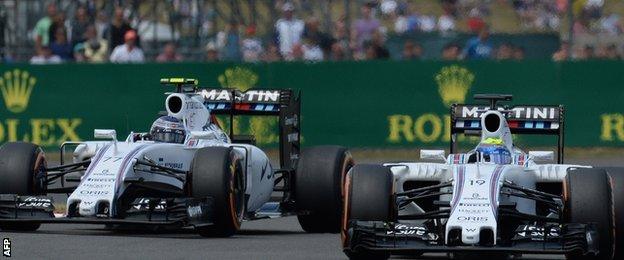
405 239
161 212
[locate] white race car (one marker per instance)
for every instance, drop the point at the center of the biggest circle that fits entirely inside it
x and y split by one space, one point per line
185 172
493 200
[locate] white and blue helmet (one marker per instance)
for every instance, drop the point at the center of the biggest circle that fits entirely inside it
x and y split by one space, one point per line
168 129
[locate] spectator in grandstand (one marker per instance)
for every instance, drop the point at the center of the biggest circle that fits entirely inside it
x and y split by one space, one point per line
584 53
341 36
364 28
289 30
338 52
312 30
128 52
79 25
375 49
96 49
169 54
446 22
475 22
427 22
102 25
451 51
57 23
272 53
611 24
593 8
251 45
562 53
229 42
42 28
79 52
401 24
60 46
450 7
479 47
212 54
45 56
118 28
518 52
505 51
411 51
611 53
311 50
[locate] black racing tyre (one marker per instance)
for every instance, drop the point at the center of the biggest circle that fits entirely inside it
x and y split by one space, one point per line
369 196
319 187
617 181
216 172
22 172
587 196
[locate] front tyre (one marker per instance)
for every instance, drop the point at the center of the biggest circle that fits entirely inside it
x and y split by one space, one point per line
318 187
588 198
369 196
216 172
617 182
22 172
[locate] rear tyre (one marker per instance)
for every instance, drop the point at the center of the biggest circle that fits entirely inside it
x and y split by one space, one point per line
216 172
22 171
369 196
617 181
587 198
318 187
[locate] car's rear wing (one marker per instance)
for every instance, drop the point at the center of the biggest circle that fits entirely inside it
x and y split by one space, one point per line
283 103
522 119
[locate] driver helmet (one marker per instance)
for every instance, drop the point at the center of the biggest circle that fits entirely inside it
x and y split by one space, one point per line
494 151
168 129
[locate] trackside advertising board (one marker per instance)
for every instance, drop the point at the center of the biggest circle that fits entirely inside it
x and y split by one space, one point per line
357 104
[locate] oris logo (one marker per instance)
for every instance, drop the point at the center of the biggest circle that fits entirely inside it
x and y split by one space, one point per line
94 192
472 219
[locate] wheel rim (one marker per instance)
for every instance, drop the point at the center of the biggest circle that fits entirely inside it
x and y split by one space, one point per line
236 194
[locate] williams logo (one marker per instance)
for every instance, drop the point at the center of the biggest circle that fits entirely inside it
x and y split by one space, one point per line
453 84
6 247
16 87
239 78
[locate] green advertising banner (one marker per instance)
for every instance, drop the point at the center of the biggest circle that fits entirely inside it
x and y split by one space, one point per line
357 104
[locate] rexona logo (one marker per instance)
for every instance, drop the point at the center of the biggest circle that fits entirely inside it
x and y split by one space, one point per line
16 87
263 128
453 82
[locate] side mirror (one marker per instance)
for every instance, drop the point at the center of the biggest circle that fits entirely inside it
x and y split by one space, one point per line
202 135
432 155
542 156
105 134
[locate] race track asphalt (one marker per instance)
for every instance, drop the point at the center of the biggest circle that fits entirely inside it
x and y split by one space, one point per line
263 239
280 238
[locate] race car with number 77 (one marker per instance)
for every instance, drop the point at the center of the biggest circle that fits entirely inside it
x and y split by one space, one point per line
185 172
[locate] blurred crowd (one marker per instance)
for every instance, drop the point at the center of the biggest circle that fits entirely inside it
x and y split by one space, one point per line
90 36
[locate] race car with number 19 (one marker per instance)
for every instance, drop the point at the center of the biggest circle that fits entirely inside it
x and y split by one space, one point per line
494 200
